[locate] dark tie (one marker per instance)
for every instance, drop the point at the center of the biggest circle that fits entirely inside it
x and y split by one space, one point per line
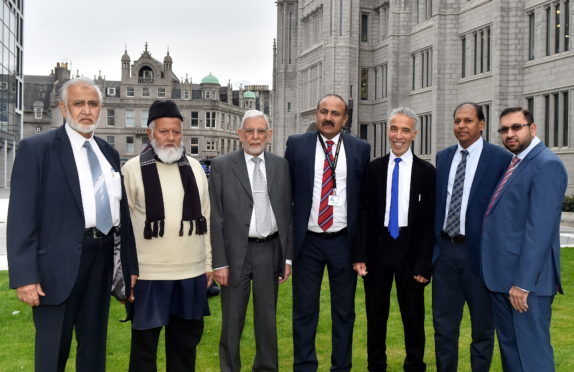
453 218
507 174
394 210
103 211
325 219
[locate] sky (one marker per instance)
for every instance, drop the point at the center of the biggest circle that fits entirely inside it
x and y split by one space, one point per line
232 39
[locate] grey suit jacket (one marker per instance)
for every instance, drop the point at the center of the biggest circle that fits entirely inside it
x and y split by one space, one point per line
232 205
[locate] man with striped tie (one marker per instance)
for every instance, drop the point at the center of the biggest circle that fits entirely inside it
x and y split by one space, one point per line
467 175
327 169
521 245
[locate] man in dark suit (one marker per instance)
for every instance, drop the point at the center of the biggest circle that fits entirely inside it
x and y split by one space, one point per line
66 201
521 245
467 174
327 169
251 239
396 241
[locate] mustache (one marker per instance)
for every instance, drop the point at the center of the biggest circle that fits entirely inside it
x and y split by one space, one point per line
328 122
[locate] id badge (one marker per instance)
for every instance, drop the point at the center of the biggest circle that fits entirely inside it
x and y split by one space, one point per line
334 200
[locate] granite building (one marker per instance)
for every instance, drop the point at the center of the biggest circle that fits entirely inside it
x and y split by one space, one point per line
212 112
428 55
11 49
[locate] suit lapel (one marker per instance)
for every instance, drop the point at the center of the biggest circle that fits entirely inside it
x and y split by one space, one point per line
350 156
483 164
270 170
310 147
443 177
240 170
107 153
414 194
64 149
382 184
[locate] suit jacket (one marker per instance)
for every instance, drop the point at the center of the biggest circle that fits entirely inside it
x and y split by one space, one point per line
492 164
521 238
420 215
232 206
46 219
300 153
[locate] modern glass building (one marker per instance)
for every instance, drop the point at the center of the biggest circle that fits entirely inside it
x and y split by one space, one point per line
11 52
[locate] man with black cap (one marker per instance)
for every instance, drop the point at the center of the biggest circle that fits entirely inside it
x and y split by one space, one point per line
169 204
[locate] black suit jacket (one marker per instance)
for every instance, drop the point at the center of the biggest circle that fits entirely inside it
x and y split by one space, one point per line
46 220
420 218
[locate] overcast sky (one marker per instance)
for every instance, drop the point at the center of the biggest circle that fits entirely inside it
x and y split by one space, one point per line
232 39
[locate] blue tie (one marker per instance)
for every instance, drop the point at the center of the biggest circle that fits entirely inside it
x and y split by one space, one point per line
103 211
394 211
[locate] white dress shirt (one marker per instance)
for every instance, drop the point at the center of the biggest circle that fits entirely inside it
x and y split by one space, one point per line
339 213
112 178
250 169
472 158
405 171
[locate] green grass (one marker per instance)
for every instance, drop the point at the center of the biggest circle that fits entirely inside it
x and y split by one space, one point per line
17 333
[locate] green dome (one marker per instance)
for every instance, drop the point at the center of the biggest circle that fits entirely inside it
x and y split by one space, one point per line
249 94
209 79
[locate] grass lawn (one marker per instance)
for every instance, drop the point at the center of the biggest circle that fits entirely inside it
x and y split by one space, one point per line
17 333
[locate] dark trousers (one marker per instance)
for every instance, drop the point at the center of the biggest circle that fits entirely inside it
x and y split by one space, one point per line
181 339
85 310
315 253
453 285
524 338
260 271
390 262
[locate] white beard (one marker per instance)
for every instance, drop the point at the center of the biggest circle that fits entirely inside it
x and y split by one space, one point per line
82 128
167 155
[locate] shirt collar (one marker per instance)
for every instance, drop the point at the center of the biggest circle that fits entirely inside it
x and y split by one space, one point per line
334 139
248 157
473 149
76 139
535 141
406 158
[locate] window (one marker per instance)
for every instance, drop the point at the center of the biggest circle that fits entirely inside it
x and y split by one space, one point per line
565 117
475 53
194 119
364 27
480 52
37 112
567 25
557 28
555 97
160 92
111 91
111 140
210 145
207 94
288 106
486 131
530 104
364 84
364 131
186 94
144 117
413 61
463 54
194 149
531 28
222 146
145 92
111 117
129 145
384 81
130 118
547 120
425 133
38 130
130 92
548 30
210 119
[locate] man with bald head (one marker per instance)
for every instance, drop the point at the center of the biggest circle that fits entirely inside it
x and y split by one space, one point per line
67 200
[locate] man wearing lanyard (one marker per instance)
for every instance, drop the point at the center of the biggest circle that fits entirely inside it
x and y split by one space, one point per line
327 169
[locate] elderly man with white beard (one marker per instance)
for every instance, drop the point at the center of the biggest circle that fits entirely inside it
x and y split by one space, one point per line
169 205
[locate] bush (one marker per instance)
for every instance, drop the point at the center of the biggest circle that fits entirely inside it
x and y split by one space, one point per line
568 205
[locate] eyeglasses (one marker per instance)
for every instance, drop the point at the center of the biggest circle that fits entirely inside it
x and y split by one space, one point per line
515 127
251 131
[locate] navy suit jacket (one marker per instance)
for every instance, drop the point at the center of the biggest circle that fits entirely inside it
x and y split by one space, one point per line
492 164
521 238
46 220
300 153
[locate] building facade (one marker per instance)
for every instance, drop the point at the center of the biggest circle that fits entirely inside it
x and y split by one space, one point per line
428 55
212 112
11 84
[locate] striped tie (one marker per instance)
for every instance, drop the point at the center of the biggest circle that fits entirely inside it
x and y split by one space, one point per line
511 167
453 218
325 219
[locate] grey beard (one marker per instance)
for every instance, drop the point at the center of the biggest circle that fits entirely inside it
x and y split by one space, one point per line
167 155
82 128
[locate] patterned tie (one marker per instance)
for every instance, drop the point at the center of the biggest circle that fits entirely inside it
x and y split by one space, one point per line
394 210
103 211
325 219
261 201
507 174
453 218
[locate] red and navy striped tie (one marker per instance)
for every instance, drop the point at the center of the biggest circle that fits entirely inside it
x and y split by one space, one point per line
511 167
325 219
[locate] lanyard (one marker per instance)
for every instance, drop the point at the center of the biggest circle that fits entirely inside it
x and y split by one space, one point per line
332 163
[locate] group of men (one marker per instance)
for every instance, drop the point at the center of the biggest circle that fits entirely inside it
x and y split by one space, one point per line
469 225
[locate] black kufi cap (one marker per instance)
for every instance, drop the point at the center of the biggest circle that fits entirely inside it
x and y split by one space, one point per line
163 109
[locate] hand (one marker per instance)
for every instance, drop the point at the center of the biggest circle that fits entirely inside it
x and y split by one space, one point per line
286 275
133 285
360 268
209 278
518 299
421 279
221 276
30 293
